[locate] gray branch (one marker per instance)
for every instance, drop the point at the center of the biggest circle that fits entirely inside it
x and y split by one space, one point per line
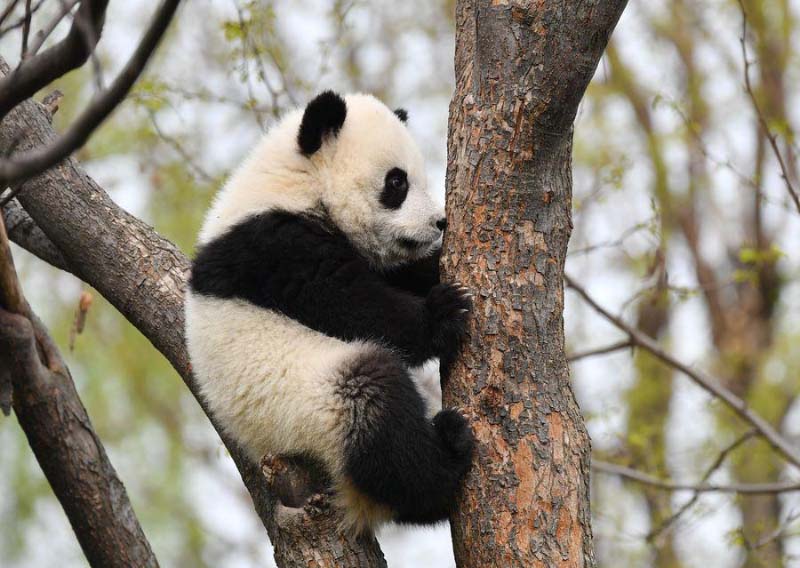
20 166
24 231
61 435
68 54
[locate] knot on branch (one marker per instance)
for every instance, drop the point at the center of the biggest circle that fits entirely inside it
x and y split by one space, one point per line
303 492
51 102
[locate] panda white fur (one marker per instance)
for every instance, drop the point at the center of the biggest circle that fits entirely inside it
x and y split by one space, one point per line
315 292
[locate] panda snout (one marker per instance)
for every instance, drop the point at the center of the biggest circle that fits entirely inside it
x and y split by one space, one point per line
441 224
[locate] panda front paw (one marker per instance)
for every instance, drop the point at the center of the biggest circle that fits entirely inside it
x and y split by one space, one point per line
448 306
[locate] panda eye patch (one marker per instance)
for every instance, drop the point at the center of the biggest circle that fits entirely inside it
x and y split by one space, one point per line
395 189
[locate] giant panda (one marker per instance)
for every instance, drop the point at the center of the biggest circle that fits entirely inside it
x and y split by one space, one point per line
315 293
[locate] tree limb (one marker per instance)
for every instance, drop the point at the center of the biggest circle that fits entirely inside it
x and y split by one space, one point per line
143 275
19 167
24 231
61 435
70 53
44 33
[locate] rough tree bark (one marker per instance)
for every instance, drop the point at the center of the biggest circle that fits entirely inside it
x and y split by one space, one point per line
143 275
521 70
61 435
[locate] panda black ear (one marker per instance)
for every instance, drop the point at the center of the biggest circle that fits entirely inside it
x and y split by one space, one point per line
402 114
323 116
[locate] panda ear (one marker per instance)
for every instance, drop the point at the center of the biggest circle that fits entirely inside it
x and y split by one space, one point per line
323 116
402 114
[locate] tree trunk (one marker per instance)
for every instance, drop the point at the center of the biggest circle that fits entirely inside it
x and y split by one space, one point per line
521 70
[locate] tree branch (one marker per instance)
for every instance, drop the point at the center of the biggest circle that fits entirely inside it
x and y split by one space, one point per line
24 231
44 33
70 53
7 11
617 346
717 463
667 485
143 275
26 30
61 435
19 167
707 383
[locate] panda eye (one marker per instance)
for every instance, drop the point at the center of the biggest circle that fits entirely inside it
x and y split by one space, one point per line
395 189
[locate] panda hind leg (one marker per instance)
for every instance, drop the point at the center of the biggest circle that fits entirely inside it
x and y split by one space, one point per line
394 454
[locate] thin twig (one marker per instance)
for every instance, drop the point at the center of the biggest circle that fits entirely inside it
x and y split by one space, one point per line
600 350
779 532
92 35
39 159
245 47
716 464
176 145
44 33
669 485
630 231
7 12
771 137
706 382
26 30
38 71
21 21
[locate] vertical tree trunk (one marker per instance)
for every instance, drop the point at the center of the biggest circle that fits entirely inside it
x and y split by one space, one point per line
521 69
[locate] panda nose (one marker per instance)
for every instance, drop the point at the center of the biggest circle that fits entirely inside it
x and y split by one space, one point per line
441 224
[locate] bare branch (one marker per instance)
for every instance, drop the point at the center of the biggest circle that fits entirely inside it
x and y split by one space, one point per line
91 36
176 145
61 435
37 160
21 21
24 231
709 384
39 71
44 33
716 464
7 12
667 485
600 350
26 30
771 136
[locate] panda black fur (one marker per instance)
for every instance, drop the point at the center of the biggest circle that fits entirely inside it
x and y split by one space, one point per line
314 292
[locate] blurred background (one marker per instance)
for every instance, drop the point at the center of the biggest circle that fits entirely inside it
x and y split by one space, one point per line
682 224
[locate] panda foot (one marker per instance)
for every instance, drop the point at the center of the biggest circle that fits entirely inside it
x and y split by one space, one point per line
454 430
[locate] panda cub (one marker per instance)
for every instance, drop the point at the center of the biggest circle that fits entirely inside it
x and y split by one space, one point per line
314 294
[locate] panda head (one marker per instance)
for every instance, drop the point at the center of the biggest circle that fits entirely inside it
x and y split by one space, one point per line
371 177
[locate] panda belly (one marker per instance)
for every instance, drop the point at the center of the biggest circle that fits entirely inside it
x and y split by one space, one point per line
278 387
267 379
